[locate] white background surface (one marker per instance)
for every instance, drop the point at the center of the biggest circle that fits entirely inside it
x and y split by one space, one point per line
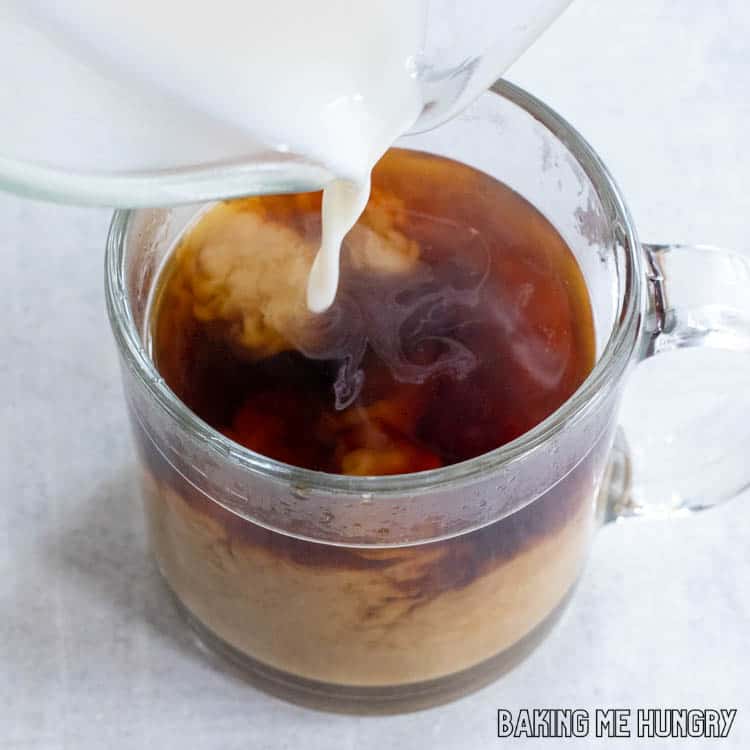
92 654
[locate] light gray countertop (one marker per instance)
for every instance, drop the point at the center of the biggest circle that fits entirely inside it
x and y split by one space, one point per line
92 654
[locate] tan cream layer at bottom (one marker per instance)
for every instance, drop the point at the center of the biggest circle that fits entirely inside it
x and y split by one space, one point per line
364 625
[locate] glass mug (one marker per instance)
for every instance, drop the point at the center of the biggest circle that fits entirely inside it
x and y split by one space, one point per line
397 592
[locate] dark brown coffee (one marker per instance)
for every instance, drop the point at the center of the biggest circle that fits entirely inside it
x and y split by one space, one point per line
461 321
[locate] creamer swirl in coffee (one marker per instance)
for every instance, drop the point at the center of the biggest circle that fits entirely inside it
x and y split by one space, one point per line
461 322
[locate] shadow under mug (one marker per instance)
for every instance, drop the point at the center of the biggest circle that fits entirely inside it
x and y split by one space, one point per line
396 592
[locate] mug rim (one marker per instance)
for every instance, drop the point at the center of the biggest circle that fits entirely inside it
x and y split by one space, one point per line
605 374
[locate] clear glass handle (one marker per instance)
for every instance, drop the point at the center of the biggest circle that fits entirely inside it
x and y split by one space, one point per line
685 440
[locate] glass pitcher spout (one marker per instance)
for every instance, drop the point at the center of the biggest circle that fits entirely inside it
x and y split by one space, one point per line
469 45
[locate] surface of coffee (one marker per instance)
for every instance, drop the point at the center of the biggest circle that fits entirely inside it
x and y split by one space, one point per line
462 321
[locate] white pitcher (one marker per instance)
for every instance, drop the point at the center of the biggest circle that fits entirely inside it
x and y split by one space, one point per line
76 128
